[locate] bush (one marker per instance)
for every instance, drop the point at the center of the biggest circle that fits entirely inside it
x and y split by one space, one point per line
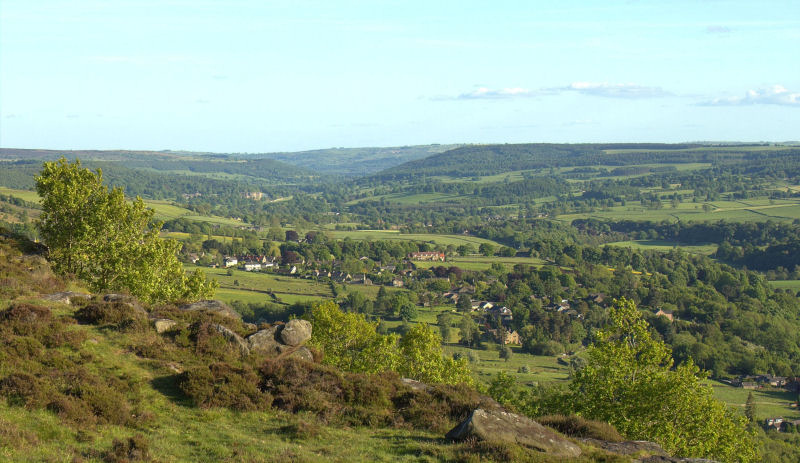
222 385
25 319
576 426
127 451
123 316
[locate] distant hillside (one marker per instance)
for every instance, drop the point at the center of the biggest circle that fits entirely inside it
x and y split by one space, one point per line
153 168
355 161
479 160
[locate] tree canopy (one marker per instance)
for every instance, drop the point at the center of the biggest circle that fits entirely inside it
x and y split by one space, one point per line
630 381
94 233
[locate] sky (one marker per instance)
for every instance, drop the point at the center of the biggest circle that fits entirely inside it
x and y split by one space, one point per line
265 76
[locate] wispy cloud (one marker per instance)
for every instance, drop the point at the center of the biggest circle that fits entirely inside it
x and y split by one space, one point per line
610 90
717 29
602 89
775 95
482 93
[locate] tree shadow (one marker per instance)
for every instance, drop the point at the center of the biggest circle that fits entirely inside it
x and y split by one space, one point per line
168 387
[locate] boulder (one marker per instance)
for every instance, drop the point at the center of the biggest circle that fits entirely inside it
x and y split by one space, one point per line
124 299
65 297
296 332
213 306
498 425
265 342
665 459
301 353
633 447
162 325
233 338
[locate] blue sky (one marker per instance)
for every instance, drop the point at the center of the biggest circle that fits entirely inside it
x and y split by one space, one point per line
259 76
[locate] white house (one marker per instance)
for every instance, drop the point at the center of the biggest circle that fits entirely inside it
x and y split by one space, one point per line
231 262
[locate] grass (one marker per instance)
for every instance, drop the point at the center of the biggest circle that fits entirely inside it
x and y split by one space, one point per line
542 369
758 210
794 285
255 286
25 195
770 403
659 245
482 262
444 240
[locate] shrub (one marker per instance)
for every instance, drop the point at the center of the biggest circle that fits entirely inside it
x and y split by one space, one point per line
25 319
222 385
126 451
576 426
121 315
23 389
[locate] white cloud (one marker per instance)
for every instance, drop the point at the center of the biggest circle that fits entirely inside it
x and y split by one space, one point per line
603 89
609 90
488 93
716 29
776 95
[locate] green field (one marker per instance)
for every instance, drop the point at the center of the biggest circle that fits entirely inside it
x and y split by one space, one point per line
756 210
659 245
482 262
794 285
770 402
24 195
444 240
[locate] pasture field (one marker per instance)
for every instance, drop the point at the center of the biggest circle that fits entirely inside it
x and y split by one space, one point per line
542 369
482 262
770 402
445 240
659 245
24 195
421 198
255 286
794 285
165 210
754 210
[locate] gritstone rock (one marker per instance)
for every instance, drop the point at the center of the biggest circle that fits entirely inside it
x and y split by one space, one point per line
502 426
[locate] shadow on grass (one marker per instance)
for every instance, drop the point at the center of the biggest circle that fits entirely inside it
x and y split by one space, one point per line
168 386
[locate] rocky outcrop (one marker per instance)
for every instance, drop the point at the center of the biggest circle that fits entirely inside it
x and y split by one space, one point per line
233 338
66 297
265 342
162 325
296 332
666 459
271 341
213 306
497 425
634 447
125 299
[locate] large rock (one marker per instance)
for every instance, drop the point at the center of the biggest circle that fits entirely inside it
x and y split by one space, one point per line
633 447
296 332
233 338
498 425
128 300
265 342
66 297
302 353
162 325
213 306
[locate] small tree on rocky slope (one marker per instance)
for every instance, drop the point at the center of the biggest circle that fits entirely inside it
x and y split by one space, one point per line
93 232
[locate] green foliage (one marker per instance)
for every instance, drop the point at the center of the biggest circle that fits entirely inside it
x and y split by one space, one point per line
111 244
629 381
421 358
350 342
